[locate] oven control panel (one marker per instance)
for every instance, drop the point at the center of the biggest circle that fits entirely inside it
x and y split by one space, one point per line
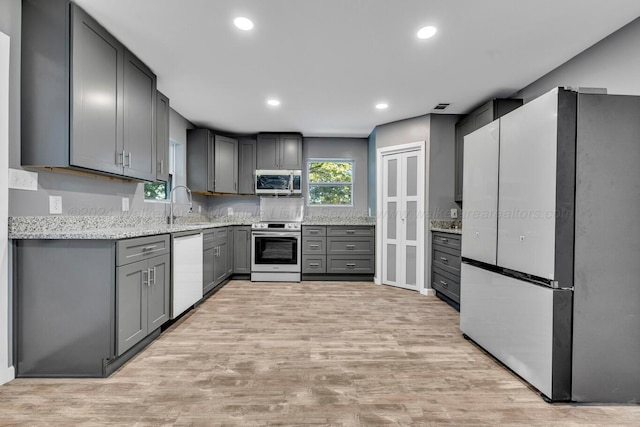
288 226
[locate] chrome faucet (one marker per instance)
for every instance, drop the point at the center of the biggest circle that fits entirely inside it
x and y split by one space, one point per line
172 201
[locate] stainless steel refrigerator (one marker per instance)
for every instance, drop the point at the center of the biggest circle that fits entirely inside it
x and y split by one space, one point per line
550 281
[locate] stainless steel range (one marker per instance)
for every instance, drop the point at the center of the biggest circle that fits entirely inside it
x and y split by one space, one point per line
276 241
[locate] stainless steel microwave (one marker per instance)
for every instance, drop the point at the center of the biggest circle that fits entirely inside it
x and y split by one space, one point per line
279 182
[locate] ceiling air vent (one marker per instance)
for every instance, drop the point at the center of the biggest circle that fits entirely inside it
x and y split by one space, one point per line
441 107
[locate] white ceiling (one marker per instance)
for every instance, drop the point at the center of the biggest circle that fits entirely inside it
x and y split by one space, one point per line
331 61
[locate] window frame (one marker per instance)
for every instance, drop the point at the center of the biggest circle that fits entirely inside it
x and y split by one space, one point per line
351 184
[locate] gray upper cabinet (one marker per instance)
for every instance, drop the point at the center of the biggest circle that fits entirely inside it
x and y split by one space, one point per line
162 137
211 162
139 108
226 164
478 118
91 104
279 151
97 86
246 166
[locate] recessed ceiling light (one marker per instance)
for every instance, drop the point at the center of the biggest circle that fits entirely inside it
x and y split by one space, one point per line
426 32
273 102
243 23
382 106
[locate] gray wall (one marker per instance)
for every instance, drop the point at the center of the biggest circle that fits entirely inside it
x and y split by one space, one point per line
371 179
442 166
612 63
340 148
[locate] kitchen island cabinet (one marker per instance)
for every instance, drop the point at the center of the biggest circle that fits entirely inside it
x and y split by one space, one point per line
85 307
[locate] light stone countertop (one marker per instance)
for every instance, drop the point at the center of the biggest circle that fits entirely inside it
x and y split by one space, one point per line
447 230
115 228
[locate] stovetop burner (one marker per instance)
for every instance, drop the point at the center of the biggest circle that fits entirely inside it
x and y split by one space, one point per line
277 226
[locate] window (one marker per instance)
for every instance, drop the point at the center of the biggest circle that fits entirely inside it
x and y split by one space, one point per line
330 182
160 190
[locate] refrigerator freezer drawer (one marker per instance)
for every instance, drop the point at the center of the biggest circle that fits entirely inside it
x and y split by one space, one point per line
525 326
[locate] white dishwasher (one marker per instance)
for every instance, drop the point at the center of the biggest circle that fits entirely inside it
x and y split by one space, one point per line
186 268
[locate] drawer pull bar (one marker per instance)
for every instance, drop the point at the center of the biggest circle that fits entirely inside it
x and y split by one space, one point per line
148 248
314 246
443 283
444 240
350 264
314 264
350 246
351 231
443 259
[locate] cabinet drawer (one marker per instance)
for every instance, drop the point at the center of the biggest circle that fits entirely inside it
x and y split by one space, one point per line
344 246
350 264
446 261
445 283
357 230
308 230
208 239
136 249
314 264
446 239
314 245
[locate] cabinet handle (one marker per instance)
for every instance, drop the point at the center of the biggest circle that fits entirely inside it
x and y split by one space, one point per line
120 158
350 246
444 240
443 259
148 248
145 278
153 280
161 166
351 264
126 156
235 185
314 231
443 283
351 231
314 264
314 246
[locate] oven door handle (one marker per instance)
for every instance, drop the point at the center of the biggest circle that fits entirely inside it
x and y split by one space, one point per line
276 234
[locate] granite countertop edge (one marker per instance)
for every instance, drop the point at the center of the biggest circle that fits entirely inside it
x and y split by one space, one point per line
447 230
116 233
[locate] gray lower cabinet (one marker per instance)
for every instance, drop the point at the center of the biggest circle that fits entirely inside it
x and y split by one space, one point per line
445 265
215 258
143 298
242 249
91 105
105 297
338 252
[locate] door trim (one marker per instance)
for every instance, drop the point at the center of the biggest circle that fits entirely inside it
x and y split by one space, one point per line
424 269
7 372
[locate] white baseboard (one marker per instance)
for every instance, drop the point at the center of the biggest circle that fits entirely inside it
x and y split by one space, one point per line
7 374
428 291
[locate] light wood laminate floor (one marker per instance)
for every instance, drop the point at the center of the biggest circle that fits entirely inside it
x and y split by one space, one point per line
311 353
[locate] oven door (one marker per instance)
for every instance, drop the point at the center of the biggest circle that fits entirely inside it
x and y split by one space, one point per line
275 251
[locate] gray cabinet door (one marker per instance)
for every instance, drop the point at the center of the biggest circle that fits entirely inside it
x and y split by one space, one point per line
230 250
162 137
210 162
97 90
131 305
220 269
246 166
158 292
200 158
268 152
139 107
290 152
226 164
208 278
242 250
